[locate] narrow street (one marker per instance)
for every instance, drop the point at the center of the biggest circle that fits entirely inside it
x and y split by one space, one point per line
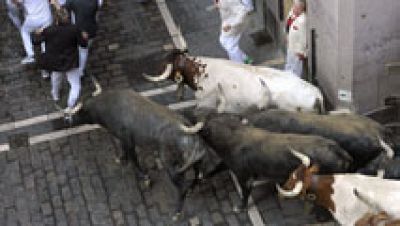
54 175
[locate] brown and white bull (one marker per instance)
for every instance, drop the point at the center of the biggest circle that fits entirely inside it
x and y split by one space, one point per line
238 87
340 193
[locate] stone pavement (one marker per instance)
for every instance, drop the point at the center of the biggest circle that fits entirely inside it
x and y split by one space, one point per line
201 30
74 180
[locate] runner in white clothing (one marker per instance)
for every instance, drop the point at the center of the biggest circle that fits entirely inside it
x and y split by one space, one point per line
297 38
37 16
234 15
13 12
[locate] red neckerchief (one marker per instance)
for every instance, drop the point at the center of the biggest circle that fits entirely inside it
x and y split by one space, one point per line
290 21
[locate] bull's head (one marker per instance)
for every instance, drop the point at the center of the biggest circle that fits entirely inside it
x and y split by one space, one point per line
180 68
300 180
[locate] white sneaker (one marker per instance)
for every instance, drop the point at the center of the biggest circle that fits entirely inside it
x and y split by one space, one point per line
68 111
28 60
45 74
55 97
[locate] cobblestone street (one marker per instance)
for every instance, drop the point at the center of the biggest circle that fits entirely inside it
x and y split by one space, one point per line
74 180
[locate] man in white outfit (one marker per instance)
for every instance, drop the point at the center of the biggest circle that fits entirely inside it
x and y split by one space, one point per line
234 15
297 38
13 12
37 16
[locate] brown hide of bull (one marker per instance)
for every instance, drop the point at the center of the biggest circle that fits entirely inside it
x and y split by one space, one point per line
188 71
370 219
319 186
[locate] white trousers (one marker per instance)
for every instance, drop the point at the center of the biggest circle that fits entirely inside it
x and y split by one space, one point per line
83 57
231 44
30 25
74 80
294 64
13 13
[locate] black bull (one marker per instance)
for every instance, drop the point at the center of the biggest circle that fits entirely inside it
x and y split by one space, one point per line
136 120
358 135
250 152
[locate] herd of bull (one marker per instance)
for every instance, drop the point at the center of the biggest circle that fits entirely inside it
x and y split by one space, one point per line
346 162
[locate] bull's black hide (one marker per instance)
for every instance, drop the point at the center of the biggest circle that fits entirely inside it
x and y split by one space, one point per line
136 120
390 167
251 152
356 134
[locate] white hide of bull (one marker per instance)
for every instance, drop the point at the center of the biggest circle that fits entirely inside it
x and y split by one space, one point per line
242 86
229 87
350 208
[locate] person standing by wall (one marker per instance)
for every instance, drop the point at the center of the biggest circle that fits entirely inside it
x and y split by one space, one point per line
234 15
37 16
296 38
61 56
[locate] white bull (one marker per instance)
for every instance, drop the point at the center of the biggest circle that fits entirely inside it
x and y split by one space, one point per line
237 87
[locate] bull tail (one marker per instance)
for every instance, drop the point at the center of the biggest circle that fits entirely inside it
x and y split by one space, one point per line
367 201
221 104
195 157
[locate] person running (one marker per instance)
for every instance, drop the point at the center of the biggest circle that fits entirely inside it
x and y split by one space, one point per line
234 15
37 16
297 38
13 12
61 56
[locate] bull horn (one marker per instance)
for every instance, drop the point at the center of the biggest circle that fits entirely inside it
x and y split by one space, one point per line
305 160
77 108
293 193
389 151
167 72
98 88
192 130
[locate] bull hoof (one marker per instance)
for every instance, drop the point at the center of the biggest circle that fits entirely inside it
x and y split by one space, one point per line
178 216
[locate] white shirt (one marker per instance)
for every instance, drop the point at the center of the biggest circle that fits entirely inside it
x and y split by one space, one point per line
37 9
234 13
297 37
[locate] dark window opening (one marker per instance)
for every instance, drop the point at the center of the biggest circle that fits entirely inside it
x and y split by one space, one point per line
281 9
313 55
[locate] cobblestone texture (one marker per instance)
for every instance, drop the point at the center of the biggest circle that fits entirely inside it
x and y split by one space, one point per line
74 180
